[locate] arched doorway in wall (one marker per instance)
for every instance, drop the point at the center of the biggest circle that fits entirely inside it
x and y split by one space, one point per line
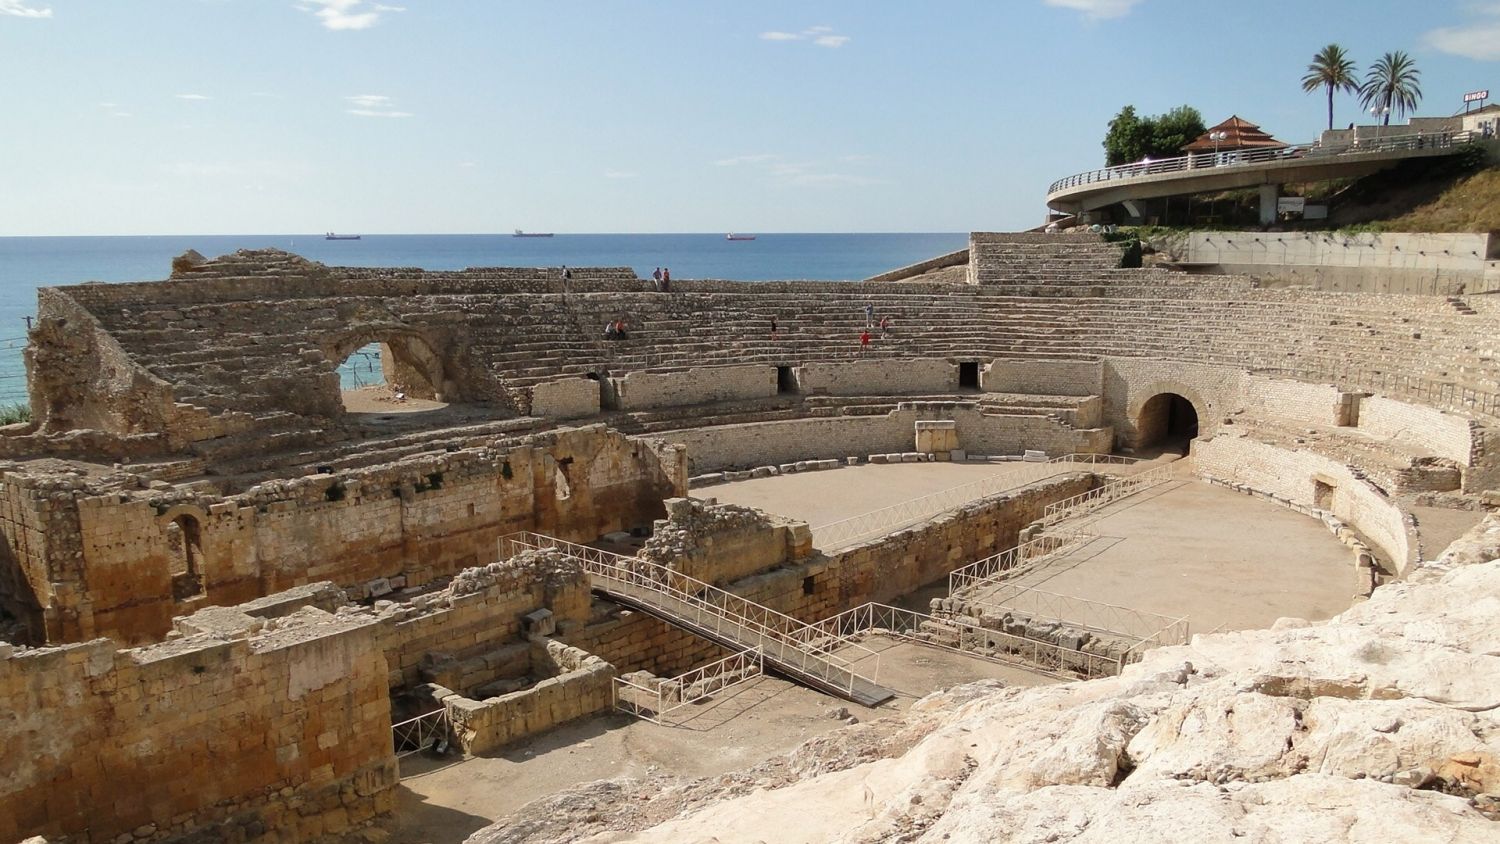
1166 420
185 556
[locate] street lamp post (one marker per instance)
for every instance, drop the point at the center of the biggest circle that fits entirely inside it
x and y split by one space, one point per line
1216 137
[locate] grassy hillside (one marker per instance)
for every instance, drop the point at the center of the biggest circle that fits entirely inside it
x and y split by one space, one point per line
1459 194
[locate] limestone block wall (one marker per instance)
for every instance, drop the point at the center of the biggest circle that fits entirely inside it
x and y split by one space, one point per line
198 735
1130 382
1315 481
565 398
480 610
1044 377
721 543
417 519
641 390
1446 434
582 685
889 377
820 438
634 641
1291 401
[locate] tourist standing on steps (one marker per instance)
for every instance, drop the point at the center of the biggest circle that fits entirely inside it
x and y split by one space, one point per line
885 325
773 328
869 316
864 341
567 273
666 276
657 277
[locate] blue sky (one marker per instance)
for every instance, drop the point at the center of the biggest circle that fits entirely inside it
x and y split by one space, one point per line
423 116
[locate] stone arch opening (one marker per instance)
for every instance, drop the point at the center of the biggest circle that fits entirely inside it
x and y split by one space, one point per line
1166 419
185 556
391 370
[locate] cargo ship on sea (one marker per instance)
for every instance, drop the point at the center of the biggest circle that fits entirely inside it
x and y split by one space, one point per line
332 236
733 236
519 233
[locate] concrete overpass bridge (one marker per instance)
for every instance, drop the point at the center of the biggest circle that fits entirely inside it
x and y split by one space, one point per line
1266 169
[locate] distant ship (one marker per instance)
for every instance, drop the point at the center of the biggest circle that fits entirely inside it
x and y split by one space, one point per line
519 233
733 236
332 236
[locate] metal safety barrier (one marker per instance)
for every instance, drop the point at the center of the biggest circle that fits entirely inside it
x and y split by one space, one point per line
1094 499
1013 562
420 733
653 703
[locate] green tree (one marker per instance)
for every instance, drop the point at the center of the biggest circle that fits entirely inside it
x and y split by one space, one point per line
1174 130
1127 139
1131 138
1333 70
1392 84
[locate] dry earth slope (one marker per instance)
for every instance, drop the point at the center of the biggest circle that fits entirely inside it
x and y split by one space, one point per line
1382 724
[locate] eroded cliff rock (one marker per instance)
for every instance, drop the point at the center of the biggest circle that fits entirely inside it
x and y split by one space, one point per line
1381 724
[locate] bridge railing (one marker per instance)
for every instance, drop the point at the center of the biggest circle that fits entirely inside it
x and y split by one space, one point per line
1013 562
1086 502
662 697
782 638
1242 158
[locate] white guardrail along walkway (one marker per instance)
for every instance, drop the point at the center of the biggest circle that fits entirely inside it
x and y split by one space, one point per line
787 645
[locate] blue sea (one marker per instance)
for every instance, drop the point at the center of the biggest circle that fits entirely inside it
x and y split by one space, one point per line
27 263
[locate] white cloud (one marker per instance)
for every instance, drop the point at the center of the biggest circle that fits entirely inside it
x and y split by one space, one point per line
1097 9
1479 40
820 35
19 9
374 105
346 14
114 110
192 97
619 174
744 159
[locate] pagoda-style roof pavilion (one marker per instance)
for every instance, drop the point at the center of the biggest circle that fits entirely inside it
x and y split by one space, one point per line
1239 134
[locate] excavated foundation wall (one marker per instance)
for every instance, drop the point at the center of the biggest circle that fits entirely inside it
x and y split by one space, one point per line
276 736
107 565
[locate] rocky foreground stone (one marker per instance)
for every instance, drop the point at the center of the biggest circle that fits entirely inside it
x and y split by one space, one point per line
1382 724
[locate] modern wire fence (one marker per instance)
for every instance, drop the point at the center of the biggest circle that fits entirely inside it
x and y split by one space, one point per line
427 731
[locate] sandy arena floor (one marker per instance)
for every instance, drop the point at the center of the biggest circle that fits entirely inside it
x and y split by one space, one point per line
444 801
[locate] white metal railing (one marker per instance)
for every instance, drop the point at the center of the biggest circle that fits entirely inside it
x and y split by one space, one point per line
971 640
845 532
784 640
417 734
1013 562
1093 616
1108 493
1244 158
664 696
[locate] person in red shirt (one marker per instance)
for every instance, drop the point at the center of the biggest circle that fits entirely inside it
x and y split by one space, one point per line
864 341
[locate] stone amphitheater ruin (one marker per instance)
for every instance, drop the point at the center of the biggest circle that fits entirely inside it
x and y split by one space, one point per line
240 611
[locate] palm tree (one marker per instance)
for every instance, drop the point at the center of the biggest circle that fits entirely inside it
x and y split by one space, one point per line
1392 83
1331 68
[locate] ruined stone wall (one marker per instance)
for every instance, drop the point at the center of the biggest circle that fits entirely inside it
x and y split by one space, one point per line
410 521
1130 382
643 390
1295 475
284 734
582 684
481 611
753 444
878 377
1292 401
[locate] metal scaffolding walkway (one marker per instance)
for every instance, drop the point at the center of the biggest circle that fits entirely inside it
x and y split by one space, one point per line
800 652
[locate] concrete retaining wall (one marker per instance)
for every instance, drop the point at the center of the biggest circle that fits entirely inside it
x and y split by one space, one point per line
1432 264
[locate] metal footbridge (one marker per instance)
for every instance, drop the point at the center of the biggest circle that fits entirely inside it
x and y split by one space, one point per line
800 652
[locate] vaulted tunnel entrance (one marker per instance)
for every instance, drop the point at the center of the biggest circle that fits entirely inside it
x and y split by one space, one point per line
391 373
1166 419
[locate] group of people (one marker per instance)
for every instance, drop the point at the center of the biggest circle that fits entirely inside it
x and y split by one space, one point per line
884 325
663 278
617 330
